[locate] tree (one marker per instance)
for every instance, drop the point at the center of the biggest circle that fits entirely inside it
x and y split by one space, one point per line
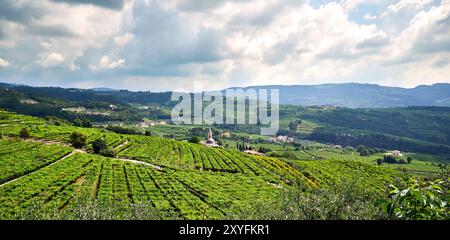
78 140
409 159
402 161
293 125
24 133
389 159
77 122
379 161
148 133
98 145
82 122
86 123
194 140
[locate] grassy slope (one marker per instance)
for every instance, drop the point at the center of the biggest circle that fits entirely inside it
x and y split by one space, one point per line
60 186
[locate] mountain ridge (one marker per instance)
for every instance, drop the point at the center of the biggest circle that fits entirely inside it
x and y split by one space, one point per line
352 95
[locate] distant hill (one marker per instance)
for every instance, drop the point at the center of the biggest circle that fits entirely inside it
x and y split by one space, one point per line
104 89
352 95
356 95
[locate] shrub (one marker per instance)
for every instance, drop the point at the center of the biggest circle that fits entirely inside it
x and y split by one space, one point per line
379 161
98 145
346 200
409 159
416 200
273 154
293 125
194 140
78 140
289 155
24 133
123 130
402 161
107 152
148 133
82 122
389 159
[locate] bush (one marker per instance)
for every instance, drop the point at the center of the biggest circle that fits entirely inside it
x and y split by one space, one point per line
289 155
107 152
148 133
293 125
402 161
409 159
123 130
346 200
379 161
194 140
390 159
82 122
273 154
24 133
416 200
78 140
98 145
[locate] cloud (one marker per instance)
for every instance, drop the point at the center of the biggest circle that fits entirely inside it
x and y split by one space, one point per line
377 40
110 4
4 63
19 11
160 45
50 59
107 63
370 17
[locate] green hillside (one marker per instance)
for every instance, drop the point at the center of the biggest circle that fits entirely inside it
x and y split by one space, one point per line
42 176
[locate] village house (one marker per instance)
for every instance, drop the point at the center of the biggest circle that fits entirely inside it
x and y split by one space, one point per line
281 139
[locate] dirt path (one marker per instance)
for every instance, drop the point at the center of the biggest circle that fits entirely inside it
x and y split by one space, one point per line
50 142
139 162
49 165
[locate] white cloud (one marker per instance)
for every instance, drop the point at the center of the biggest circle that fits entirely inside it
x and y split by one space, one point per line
106 63
50 59
215 44
124 39
4 63
370 17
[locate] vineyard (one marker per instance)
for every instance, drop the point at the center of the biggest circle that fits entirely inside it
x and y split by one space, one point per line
43 177
331 172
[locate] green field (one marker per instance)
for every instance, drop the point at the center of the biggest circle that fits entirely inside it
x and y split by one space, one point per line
43 177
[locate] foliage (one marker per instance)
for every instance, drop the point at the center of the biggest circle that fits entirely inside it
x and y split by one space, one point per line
409 159
417 200
78 140
391 159
107 152
24 133
98 145
348 200
366 151
82 122
194 140
293 125
123 130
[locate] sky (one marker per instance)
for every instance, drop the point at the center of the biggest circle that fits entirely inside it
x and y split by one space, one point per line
204 45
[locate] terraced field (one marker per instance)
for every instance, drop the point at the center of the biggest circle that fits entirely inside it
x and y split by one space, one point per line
44 177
